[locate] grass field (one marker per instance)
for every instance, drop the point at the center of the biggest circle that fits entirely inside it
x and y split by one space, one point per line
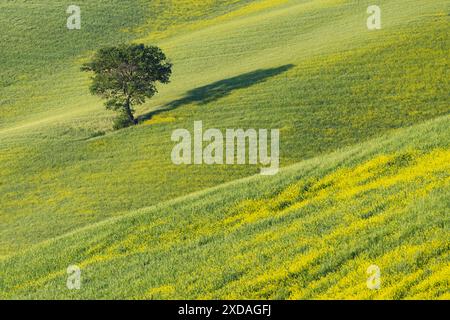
309 232
364 146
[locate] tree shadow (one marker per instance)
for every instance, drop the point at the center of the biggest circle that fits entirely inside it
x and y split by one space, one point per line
219 89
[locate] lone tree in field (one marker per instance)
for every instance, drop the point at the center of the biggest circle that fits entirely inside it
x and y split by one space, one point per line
126 75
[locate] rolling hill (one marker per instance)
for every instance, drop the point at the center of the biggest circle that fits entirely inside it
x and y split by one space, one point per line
364 128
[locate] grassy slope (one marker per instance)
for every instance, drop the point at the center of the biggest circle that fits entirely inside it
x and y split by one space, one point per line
309 232
319 226
309 68
41 57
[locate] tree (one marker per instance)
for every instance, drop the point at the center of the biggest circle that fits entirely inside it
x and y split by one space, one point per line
126 75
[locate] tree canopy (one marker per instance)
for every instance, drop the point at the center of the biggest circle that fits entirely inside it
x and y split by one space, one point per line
126 75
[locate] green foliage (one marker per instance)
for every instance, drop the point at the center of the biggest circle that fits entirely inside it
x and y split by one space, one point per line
126 75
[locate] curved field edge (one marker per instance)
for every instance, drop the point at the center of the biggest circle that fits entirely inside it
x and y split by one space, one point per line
308 233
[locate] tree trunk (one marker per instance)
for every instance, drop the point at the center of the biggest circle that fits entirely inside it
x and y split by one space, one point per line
128 111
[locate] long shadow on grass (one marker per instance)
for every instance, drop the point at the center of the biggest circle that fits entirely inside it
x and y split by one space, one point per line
219 89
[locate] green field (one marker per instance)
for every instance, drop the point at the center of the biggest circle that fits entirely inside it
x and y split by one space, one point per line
365 152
